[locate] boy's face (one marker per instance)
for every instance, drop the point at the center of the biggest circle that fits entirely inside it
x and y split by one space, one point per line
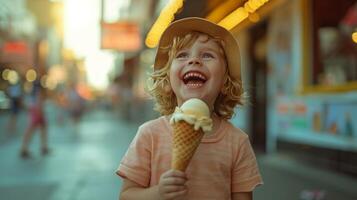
198 71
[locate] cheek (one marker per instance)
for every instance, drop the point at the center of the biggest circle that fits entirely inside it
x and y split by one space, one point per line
174 72
171 76
219 70
220 74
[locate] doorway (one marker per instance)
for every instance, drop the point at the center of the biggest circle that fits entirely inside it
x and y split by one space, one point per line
258 82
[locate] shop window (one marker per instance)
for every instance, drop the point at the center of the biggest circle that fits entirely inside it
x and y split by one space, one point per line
333 30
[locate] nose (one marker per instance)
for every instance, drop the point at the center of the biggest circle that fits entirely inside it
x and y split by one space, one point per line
194 61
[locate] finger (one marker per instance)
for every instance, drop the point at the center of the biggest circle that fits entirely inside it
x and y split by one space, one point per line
178 173
175 173
167 173
173 188
174 195
174 181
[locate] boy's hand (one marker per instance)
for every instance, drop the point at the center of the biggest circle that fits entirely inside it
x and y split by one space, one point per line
172 185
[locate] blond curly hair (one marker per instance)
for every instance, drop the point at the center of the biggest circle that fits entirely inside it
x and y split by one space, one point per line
230 96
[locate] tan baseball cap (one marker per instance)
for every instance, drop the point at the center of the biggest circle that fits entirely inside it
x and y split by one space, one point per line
183 26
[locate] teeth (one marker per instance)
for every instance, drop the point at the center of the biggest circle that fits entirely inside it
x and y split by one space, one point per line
194 74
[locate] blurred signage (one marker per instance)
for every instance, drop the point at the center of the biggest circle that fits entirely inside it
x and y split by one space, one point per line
16 52
121 36
15 47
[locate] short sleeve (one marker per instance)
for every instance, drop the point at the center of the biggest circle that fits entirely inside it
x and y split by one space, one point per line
245 175
136 163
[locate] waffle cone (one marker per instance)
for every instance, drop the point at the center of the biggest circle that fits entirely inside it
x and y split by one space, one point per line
185 143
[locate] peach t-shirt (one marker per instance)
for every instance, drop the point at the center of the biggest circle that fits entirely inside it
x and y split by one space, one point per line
223 163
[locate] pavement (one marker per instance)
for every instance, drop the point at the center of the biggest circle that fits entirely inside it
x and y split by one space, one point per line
84 156
81 163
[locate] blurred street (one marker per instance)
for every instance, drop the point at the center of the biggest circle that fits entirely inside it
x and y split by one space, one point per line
83 159
80 165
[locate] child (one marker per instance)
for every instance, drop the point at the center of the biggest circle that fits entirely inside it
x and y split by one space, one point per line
195 59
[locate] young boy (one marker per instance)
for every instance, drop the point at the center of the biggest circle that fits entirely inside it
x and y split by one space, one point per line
195 59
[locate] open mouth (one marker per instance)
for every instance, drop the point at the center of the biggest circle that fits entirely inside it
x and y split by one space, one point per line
194 79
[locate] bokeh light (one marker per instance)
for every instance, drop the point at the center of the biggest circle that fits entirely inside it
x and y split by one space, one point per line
13 77
31 75
354 37
5 74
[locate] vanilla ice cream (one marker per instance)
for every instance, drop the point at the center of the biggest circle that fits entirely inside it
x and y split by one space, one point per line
195 112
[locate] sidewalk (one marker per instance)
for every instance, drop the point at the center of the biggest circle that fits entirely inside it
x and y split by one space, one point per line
286 178
83 160
4 125
80 166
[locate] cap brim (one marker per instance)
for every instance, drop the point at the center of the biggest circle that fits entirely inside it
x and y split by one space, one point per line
186 25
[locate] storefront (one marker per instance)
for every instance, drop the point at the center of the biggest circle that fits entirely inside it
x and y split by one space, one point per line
300 66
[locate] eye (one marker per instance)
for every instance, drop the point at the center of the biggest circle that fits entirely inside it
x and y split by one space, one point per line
207 55
182 55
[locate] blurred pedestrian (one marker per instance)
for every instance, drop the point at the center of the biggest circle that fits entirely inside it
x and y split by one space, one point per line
61 102
15 93
75 103
113 95
37 119
125 96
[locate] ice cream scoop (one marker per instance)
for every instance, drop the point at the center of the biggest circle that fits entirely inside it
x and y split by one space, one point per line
195 112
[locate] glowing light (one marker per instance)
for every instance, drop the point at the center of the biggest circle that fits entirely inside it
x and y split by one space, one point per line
82 37
57 73
13 77
98 66
43 81
5 74
234 18
16 47
222 10
51 85
84 91
46 82
254 17
354 37
163 21
241 13
31 75
81 31
248 8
